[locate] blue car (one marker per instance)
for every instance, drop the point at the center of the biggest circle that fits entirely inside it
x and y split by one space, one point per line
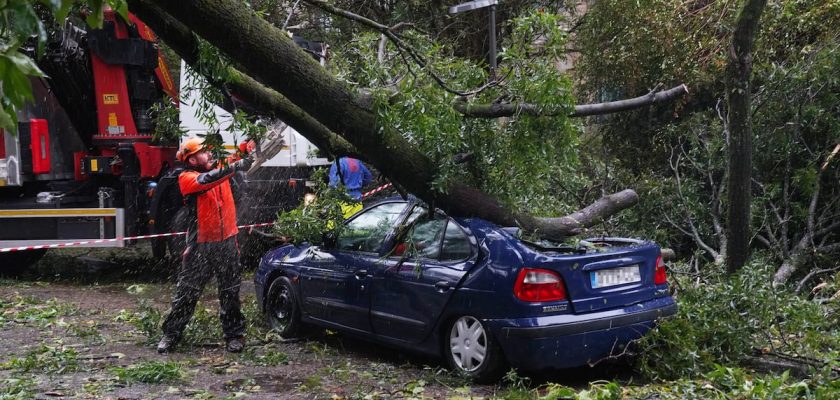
467 290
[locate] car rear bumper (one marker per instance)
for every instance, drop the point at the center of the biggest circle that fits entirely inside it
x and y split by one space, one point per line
562 341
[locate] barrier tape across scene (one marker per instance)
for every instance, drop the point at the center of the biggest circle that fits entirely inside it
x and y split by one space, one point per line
153 236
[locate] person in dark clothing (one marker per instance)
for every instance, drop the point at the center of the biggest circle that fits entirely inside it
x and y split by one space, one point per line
211 246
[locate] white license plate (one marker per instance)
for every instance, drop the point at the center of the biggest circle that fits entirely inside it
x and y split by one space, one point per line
615 276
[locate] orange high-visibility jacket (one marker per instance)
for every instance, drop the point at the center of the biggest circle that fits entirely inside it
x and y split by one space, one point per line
213 210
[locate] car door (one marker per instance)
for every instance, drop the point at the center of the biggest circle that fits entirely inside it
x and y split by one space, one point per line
413 284
335 281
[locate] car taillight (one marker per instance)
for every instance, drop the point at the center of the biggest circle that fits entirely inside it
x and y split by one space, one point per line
535 284
659 277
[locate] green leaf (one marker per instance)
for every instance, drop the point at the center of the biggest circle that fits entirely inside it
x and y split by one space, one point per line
24 64
63 9
120 6
16 86
95 17
8 120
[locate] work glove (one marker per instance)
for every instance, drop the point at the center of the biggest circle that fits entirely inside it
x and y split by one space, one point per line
244 164
246 148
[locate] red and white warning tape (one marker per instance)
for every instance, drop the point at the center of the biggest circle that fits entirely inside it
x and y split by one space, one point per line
157 235
117 239
377 190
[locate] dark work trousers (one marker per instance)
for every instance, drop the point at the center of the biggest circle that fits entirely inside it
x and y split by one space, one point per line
200 262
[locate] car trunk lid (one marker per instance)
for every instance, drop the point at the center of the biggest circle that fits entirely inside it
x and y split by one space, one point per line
618 274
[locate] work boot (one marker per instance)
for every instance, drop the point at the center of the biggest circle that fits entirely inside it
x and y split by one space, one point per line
235 344
166 344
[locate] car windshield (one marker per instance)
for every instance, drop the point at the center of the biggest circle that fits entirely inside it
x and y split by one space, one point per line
367 230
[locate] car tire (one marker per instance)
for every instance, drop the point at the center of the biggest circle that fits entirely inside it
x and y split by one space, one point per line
282 309
472 352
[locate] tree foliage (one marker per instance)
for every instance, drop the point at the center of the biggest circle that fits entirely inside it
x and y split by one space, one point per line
514 158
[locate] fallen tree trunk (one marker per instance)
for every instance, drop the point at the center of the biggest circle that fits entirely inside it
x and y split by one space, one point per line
266 102
269 55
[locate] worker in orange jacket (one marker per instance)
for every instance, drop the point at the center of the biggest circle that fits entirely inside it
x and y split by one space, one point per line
211 245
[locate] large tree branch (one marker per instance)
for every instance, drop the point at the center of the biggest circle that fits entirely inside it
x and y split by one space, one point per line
594 213
582 110
264 101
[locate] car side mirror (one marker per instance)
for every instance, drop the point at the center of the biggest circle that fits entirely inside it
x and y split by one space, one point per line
330 240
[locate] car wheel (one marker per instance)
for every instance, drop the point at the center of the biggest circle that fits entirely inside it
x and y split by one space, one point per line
472 351
282 308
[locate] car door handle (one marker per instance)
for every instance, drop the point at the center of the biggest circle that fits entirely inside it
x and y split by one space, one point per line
442 286
361 274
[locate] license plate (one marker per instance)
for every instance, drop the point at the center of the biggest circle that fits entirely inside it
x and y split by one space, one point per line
615 276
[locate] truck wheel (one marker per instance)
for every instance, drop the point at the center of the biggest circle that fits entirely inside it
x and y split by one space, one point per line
170 248
180 223
16 262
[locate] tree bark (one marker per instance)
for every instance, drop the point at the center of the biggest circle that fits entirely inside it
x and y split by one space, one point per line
582 110
738 71
265 101
269 55
592 214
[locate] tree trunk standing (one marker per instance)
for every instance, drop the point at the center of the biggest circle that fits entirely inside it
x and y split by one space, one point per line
738 72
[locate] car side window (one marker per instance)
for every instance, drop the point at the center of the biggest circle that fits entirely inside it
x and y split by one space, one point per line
456 244
368 230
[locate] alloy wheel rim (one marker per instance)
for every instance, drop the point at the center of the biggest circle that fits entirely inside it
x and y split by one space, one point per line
468 343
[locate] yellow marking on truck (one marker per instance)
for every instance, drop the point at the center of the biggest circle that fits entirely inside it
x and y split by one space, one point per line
94 165
110 98
165 72
60 212
2 182
112 119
